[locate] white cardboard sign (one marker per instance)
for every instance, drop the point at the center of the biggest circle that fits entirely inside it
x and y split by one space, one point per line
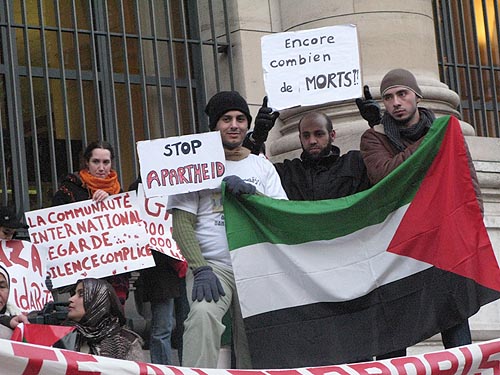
311 67
91 239
158 222
182 164
26 265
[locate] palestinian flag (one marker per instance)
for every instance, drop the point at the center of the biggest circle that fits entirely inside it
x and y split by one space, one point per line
341 280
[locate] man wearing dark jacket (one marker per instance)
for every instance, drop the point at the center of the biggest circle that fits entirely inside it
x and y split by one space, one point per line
392 139
320 172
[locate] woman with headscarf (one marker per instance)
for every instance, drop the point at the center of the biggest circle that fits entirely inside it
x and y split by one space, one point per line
95 180
10 316
95 311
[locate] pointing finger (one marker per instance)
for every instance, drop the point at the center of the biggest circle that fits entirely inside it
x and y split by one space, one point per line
366 92
264 102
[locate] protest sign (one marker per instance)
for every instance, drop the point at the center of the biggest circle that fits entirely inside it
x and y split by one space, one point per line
26 264
181 164
91 239
158 223
311 66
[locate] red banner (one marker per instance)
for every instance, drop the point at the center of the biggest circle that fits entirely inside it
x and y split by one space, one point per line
22 358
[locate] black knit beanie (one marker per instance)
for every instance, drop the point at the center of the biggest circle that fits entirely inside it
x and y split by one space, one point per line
223 102
400 77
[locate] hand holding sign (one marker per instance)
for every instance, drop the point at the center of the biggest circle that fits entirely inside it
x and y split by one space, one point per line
369 109
264 122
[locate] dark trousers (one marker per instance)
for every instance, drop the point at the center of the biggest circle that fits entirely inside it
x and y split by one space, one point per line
458 335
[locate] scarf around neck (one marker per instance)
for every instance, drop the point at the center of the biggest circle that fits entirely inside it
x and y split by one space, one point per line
110 184
396 133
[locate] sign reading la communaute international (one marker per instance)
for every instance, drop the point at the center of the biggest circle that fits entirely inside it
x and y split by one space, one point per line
91 239
310 67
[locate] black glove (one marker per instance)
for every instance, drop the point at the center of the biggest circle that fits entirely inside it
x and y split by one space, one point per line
206 285
237 186
264 122
48 283
369 108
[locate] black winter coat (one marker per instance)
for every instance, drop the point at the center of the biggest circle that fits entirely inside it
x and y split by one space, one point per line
162 281
70 190
332 176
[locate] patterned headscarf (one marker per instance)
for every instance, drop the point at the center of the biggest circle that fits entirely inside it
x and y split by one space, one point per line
103 319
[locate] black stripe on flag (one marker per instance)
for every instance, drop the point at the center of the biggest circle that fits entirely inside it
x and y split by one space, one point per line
392 317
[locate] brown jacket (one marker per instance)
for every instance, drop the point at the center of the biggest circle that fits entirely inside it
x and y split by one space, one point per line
381 158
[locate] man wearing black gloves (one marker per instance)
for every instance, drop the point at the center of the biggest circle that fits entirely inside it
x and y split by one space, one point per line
320 172
264 122
369 108
198 229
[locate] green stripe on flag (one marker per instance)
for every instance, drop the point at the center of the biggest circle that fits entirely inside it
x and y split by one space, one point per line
254 219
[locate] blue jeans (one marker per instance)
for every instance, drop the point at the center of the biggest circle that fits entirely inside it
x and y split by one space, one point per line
162 322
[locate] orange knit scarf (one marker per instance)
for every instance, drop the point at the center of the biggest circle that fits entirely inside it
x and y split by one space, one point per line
110 184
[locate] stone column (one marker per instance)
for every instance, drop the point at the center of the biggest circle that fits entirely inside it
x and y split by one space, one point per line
249 20
392 34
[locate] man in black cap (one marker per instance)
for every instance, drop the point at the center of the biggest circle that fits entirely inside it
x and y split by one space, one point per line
9 223
391 140
199 231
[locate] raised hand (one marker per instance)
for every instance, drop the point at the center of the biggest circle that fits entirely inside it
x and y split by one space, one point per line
369 109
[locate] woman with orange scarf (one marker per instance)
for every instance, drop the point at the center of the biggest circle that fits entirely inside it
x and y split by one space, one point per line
96 180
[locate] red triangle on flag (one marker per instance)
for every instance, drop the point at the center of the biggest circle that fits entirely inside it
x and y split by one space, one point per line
443 225
41 334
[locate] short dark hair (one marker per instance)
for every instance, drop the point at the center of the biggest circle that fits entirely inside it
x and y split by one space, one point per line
320 116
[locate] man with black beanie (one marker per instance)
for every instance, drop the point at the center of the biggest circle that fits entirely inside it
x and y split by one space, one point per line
198 229
391 140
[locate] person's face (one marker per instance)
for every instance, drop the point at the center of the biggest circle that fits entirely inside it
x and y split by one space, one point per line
401 104
99 164
6 233
233 127
76 311
314 137
4 291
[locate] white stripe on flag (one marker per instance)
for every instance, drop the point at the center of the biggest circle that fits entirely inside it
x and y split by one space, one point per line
272 277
